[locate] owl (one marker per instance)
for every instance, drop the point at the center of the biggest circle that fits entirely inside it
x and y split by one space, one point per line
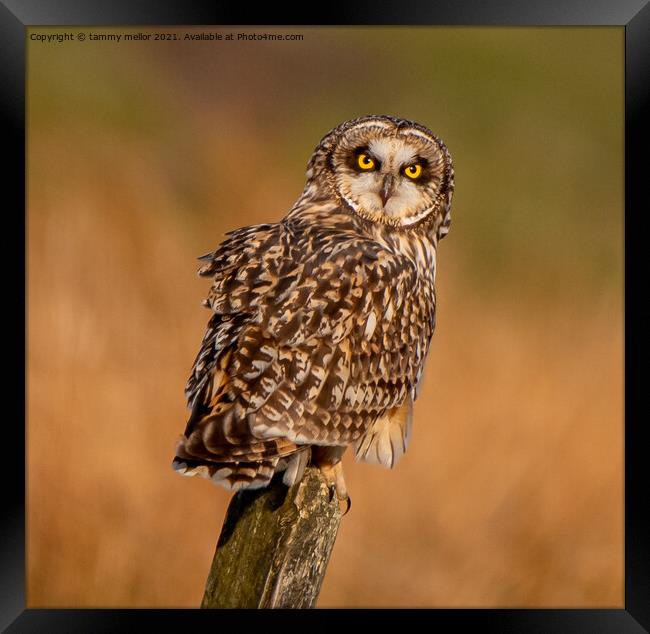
321 323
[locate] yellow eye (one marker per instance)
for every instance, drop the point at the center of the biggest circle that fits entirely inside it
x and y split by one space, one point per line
413 171
365 162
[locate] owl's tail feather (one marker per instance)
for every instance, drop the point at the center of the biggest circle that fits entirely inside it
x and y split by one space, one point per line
231 475
246 474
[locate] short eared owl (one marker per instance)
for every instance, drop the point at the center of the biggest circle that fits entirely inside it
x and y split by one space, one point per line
321 323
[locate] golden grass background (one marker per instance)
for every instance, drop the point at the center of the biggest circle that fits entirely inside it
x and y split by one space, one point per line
140 157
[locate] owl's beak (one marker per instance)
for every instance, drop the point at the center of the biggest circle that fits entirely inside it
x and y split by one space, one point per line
387 189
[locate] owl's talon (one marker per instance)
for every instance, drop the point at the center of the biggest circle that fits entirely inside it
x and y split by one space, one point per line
333 474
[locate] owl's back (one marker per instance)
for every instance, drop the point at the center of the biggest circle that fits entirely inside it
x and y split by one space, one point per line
318 337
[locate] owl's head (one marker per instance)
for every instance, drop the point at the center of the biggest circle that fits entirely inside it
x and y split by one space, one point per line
386 170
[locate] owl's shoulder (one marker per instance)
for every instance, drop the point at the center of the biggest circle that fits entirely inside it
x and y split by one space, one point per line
295 261
239 246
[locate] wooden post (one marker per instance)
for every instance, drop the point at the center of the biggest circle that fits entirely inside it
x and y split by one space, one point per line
274 546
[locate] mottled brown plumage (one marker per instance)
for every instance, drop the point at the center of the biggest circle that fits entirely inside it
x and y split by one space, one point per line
321 323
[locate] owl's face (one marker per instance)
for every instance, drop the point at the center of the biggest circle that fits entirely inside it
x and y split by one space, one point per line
391 171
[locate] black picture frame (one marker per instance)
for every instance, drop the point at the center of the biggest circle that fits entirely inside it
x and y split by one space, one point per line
634 15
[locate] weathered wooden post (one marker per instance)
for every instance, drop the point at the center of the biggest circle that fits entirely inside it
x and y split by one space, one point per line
274 546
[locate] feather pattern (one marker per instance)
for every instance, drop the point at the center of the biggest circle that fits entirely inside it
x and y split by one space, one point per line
320 327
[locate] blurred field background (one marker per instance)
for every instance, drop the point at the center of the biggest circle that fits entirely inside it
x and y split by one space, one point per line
142 154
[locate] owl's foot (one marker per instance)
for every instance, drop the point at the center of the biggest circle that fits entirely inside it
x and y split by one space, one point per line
333 474
328 461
